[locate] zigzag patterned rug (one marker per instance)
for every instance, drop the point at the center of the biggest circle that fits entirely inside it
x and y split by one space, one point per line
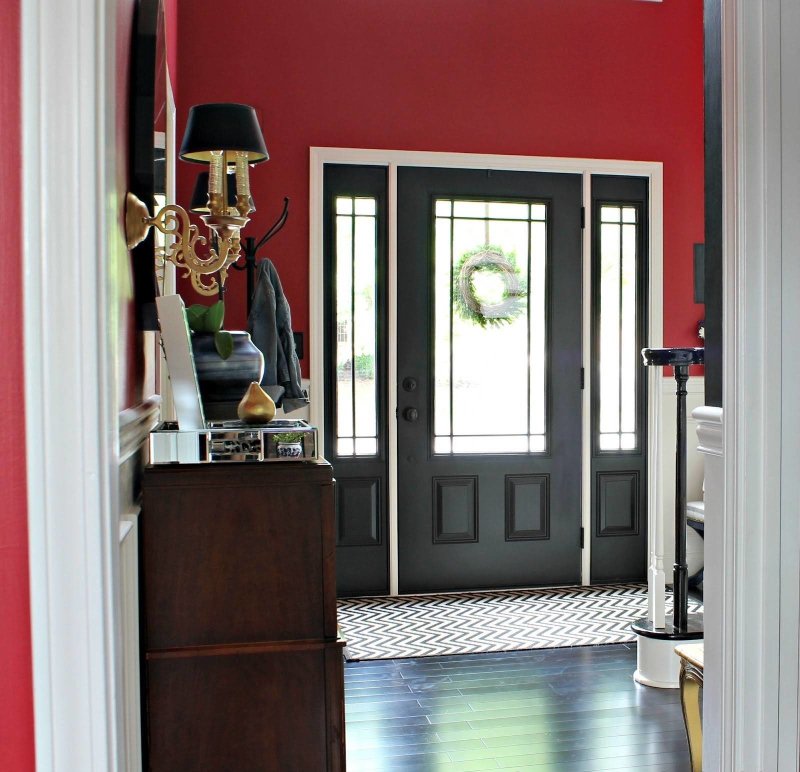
504 620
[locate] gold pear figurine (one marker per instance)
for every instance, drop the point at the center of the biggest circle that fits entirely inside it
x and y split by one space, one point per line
256 406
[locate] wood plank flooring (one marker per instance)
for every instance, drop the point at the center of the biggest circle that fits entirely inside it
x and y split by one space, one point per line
553 710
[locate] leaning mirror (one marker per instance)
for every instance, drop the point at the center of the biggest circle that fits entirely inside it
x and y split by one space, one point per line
148 148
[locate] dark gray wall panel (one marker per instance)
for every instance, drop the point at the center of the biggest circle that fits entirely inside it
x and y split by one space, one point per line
618 503
358 513
455 509
527 507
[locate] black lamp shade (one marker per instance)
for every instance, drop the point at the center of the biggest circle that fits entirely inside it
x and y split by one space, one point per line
223 126
199 203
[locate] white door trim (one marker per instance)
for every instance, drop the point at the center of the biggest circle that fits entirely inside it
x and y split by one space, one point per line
72 234
752 627
392 159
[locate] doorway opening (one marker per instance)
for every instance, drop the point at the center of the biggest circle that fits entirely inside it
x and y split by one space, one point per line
436 268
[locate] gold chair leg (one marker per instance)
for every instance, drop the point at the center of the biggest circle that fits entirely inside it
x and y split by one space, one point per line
691 690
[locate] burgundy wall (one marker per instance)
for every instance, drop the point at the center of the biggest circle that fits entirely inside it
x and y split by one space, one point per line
612 79
16 706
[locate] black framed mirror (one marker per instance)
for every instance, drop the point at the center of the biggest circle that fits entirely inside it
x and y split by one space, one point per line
148 142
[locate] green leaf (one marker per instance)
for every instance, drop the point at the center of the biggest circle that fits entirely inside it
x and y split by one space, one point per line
195 316
223 343
215 317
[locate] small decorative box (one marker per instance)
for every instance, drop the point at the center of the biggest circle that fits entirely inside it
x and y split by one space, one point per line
280 440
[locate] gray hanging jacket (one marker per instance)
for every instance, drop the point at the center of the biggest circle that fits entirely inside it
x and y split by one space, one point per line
270 326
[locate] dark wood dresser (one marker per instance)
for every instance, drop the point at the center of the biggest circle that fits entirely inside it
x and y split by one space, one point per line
242 669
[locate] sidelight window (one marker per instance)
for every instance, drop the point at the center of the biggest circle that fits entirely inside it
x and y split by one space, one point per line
617 326
356 384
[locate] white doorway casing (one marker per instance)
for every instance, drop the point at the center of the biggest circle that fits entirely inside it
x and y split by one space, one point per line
752 683
392 159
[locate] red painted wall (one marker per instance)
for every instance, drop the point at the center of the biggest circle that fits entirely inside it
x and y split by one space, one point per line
16 705
612 79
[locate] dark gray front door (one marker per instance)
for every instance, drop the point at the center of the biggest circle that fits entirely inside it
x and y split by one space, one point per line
489 379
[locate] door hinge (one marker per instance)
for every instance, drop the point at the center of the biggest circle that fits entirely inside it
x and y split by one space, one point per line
583 377
583 217
581 537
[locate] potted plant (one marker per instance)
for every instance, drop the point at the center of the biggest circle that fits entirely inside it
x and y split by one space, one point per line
289 444
209 319
226 362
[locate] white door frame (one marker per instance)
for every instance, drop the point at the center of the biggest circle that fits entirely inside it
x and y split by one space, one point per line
392 159
753 591
72 257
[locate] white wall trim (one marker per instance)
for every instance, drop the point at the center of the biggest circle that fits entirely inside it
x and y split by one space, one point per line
135 424
586 395
653 170
129 619
752 618
68 85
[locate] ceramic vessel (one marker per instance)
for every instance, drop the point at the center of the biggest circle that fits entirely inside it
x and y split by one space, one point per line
222 382
290 449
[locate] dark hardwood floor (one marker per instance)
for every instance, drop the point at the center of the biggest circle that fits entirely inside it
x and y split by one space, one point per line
559 710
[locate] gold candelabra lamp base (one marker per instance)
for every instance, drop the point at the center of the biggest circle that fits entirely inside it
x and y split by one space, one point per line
207 273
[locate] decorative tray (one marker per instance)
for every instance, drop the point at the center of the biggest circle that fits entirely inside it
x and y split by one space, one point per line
282 439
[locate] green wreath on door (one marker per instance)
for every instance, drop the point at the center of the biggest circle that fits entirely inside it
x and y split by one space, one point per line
487 312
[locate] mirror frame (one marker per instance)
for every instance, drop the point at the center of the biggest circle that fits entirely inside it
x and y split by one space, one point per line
148 32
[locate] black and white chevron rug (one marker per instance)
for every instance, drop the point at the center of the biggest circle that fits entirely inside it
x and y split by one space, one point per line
503 620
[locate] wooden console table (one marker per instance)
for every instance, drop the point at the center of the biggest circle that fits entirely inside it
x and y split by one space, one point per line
691 656
242 667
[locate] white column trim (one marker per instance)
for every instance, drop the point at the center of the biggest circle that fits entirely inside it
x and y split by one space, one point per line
653 170
709 430
68 106
391 378
751 618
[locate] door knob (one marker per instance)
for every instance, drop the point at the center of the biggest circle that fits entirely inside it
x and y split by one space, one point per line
411 414
409 384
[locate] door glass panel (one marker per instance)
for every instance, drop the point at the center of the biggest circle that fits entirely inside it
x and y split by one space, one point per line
618 356
355 257
490 335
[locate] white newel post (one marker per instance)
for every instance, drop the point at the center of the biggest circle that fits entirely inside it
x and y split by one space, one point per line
656 577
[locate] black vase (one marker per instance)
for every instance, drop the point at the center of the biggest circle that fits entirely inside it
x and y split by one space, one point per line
223 382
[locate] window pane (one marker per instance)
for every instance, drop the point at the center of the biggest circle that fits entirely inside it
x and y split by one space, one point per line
486 321
609 442
356 326
344 323
509 211
469 208
442 311
609 365
365 206
629 362
364 328
618 356
538 211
